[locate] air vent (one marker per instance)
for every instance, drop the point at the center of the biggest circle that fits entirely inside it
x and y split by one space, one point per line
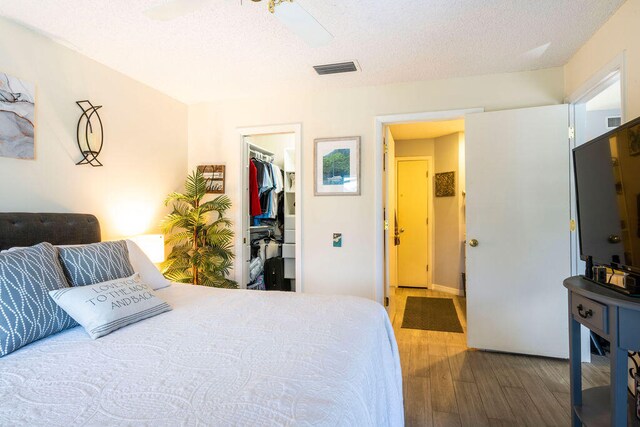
613 122
342 67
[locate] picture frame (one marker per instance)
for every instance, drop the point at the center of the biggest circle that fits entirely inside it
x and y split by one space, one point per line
215 176
634 141
337 166
17 129
445 183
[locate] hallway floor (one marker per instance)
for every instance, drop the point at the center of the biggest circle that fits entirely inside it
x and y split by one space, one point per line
448 384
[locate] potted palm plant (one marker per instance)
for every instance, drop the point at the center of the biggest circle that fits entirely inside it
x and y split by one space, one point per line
200 236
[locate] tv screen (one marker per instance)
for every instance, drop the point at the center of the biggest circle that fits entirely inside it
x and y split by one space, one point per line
607 172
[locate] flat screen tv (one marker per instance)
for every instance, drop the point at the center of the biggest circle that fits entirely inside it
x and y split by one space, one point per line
607 177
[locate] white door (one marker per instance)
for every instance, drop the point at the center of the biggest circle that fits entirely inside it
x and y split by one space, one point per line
518 210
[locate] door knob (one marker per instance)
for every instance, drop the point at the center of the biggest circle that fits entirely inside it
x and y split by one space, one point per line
614 239
473 243
401 230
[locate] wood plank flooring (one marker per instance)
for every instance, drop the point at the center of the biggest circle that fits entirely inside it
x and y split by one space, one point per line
448 384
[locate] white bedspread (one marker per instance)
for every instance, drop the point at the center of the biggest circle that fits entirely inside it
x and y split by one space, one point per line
221 357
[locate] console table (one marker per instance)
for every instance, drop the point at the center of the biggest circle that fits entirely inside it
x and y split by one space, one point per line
615 317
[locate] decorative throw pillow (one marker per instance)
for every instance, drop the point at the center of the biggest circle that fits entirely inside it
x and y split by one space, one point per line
95 263
141 264
104 307
27 313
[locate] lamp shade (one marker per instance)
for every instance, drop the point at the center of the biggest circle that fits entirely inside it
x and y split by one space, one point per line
152 245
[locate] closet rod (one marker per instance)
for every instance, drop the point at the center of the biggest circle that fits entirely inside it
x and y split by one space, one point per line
258 149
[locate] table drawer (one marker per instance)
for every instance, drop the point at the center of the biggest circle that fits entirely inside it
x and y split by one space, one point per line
590 313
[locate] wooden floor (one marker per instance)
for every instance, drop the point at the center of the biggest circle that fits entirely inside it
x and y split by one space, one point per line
447 384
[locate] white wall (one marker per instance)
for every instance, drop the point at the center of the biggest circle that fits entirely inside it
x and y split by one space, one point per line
596 122
621 33
446 268
145 147
414 147
213 136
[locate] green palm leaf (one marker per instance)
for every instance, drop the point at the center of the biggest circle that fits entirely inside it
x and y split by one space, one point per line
220 204
202 247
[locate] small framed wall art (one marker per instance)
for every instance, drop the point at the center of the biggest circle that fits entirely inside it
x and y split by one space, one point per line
446 184
337 166
215 177
17 118
634 141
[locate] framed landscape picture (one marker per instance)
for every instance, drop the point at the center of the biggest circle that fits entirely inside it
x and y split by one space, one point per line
337 166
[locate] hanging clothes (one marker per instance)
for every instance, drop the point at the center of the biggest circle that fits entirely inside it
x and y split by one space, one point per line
256 267
270 186
276 192
258 285
268 200
279 178
259 171
272 249
254 198
267 178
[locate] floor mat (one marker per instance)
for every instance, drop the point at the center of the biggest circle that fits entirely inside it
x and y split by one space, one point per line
431 314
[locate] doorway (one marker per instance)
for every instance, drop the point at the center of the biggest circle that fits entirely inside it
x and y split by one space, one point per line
594 111
595 108
509 205
270 242
424 240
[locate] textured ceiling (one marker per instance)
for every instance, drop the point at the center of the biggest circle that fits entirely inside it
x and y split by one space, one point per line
426 130
229 50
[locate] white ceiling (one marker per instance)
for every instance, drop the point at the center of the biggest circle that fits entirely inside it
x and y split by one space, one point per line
225 50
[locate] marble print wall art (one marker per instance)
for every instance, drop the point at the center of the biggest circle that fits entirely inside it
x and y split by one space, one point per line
17 113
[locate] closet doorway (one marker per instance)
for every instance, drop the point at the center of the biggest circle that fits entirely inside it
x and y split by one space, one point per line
270 255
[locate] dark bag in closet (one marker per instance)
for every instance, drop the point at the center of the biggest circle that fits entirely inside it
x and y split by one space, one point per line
274 274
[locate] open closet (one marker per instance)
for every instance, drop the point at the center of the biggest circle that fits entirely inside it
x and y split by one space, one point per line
270 212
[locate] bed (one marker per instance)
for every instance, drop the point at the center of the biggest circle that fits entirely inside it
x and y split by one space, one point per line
220 357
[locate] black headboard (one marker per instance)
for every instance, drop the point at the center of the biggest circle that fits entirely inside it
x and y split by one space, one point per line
27 229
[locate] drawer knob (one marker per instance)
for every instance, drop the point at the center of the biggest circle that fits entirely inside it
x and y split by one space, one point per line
584 314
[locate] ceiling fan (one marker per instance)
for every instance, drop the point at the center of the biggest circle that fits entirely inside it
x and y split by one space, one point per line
289 12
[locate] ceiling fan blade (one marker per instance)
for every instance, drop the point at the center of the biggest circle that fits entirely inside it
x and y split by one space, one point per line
174 9
302 23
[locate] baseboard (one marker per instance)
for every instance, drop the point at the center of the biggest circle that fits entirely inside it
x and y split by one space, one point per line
447 289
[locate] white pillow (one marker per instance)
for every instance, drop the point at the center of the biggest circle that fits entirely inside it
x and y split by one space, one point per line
104 307
140 263
147 269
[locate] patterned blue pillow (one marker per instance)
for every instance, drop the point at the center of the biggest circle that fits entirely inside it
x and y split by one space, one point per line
27 312
95 263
